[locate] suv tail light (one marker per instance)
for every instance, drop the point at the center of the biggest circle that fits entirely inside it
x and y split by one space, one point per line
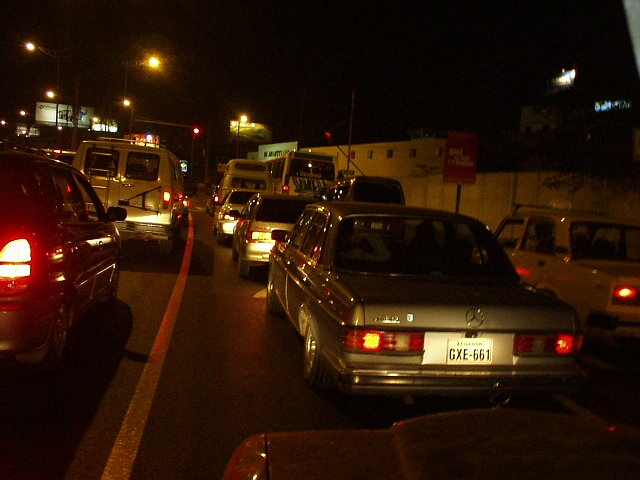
166 199
15 266
545 344
374 341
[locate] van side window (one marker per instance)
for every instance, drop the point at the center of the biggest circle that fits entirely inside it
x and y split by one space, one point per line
142 166
101 162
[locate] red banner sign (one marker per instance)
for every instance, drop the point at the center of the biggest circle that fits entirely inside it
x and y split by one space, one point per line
461 157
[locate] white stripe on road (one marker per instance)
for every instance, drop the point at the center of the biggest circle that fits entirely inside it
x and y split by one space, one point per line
261 294
125 448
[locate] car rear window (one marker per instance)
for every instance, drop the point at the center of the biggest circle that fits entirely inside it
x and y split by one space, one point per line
31 189
286 210
419 246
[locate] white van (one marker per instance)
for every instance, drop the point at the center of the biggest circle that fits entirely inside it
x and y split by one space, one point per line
145 180
243 174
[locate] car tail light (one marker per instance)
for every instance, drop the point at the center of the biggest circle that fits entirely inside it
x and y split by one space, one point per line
545 344
523 272
625 292
374 341
285 189
166 199
15 266
228 216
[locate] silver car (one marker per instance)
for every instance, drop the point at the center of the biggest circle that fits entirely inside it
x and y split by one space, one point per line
226 214
263 213
404 300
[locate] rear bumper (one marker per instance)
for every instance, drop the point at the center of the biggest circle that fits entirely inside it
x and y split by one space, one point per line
481 383
145 231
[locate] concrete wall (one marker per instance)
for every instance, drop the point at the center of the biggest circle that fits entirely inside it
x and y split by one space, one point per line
418 164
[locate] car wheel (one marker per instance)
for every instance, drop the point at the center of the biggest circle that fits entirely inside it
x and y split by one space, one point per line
234 253
220 237
166 246
273 304
112 291
57 344
314 372
244 267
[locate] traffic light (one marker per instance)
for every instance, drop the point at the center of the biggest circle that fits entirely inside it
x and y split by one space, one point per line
329 136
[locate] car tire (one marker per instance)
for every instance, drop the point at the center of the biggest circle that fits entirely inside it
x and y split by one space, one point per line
313 369
234 253
57 343
111 296
273 303
244 267
220 237
165 246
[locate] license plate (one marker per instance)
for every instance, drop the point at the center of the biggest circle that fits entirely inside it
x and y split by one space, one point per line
469 351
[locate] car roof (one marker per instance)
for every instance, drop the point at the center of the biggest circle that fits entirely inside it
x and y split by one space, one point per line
280 196
393 209
569 214
366 179
17 159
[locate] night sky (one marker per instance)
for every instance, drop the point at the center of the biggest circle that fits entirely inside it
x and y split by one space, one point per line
296 66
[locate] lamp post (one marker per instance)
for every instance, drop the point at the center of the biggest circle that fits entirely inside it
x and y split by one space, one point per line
242 121
151 62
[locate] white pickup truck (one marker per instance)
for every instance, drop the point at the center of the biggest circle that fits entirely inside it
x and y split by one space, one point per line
589 261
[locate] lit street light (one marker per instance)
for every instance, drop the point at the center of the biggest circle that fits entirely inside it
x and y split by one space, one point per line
242 122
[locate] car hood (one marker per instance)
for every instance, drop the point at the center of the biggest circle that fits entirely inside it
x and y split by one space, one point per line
479 444
420 302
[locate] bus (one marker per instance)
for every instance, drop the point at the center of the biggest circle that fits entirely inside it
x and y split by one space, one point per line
243 174
300 173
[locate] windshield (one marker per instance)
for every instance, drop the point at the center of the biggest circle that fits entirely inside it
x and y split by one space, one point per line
419 246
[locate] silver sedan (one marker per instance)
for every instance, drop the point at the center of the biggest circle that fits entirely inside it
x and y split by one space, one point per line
403 300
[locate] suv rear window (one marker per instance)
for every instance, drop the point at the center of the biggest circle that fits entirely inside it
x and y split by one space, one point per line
380 192
281 211
102 162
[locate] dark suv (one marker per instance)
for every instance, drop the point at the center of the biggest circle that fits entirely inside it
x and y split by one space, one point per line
365 189
59 255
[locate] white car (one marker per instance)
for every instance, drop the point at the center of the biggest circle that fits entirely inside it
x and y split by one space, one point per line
589 261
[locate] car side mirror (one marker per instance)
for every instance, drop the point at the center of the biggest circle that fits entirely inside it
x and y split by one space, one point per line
116 214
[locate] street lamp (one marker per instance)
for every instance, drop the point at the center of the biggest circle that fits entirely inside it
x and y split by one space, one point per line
127 104
151 62
241 122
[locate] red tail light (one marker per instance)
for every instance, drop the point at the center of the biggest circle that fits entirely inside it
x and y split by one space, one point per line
166 199
15 266
542 344
373 341
523 272
625 292
285 189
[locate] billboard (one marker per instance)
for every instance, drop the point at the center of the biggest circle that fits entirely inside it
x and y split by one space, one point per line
249 132
46 115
